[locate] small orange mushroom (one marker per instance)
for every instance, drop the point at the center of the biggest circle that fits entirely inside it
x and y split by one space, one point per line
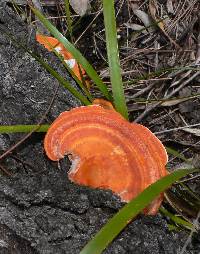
107 151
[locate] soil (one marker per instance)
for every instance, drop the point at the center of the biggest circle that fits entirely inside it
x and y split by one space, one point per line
41 211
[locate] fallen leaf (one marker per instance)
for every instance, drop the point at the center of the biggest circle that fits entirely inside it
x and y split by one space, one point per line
80 6
143 16
194 131
173 102
136 27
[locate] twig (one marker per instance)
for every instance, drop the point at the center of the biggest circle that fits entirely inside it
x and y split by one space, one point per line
88 26
142 91
151 107
147 110
189 179
198 48
183 84
5 170
196 222
176 129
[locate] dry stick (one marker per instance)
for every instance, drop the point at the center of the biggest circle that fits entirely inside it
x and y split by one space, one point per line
184 76
185 150
189 179
181 15
188 29
198 48
178 128
36 128
183 84
142 91
88 26
5 170
191 233
179 208
151 107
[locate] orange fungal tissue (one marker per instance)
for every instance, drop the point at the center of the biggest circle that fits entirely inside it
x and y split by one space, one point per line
51 43
107 151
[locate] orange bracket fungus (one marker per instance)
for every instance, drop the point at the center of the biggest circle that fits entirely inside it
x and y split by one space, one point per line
51 43
107 151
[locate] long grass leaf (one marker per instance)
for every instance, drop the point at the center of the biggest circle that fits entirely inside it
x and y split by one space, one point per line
81 85
68 15
176 219
113 57
63 81
119 221
76 53
23 128
176 154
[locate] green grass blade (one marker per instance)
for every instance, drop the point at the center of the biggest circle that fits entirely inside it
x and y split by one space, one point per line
81 85
119 221
113 57
175 153
176 219
68 15
76 53
63 81
23 128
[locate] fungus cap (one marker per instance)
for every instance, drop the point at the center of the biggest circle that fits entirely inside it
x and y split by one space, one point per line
107 151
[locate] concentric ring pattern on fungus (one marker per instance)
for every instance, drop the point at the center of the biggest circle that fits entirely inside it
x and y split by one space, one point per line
107 151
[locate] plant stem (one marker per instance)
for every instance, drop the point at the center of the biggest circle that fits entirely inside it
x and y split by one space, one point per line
113 57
